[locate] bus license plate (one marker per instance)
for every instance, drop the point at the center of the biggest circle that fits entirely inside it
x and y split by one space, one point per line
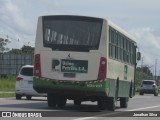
70 75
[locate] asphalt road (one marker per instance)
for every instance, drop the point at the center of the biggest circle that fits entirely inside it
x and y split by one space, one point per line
139 105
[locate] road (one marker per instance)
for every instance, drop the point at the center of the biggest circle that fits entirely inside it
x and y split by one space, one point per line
86 111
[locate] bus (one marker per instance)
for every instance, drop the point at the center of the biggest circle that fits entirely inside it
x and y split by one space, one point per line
84 58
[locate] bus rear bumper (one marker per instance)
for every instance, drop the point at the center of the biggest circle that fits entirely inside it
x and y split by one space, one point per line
87 88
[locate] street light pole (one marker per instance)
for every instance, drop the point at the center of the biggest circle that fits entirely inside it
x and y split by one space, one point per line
155 67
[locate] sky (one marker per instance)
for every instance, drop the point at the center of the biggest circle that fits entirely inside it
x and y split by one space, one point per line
140 18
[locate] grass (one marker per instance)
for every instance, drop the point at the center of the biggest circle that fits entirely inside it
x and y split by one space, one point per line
8 84
5 95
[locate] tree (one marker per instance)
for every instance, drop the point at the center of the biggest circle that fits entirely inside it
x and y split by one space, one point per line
15 51
3 45
142 74
24 49
27 49
146 70
139 76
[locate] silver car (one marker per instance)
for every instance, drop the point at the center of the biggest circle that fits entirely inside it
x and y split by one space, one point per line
149 86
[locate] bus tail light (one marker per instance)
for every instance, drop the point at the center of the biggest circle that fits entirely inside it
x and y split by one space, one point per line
102 69
37 65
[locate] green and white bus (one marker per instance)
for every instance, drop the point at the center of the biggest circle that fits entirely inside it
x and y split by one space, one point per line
84 58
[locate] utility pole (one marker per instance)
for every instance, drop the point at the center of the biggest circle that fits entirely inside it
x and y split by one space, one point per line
155 67
142 63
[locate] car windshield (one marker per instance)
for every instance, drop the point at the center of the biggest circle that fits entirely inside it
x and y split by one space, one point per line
27 72
148 82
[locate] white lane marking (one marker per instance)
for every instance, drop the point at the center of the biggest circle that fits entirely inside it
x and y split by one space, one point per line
102 115
85 118
96 116
143 108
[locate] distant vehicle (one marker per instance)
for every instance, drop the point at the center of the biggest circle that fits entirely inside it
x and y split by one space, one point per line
84 58
24 85
149 86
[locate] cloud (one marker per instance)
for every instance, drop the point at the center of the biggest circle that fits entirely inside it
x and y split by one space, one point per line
146 37
12 17
19 18
149 43
14 25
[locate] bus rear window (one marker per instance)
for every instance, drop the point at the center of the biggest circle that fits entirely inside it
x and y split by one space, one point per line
71 33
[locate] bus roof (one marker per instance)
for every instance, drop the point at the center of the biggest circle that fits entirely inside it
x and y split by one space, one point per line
110 23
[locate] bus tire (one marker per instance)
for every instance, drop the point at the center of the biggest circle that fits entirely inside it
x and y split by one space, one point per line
61 101
111 103
123 102
102 103
77 102
51 100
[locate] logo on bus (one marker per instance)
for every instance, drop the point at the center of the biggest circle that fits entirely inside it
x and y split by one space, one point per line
55 65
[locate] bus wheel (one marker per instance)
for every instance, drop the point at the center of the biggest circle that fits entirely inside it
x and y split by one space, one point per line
102 103
124 102
51 99
77 102
111 103
61 101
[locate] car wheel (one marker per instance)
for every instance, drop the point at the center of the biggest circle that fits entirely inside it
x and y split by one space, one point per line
18 96
141 93
28 97
156 94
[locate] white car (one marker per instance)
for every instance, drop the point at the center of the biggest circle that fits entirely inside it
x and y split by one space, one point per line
24 83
